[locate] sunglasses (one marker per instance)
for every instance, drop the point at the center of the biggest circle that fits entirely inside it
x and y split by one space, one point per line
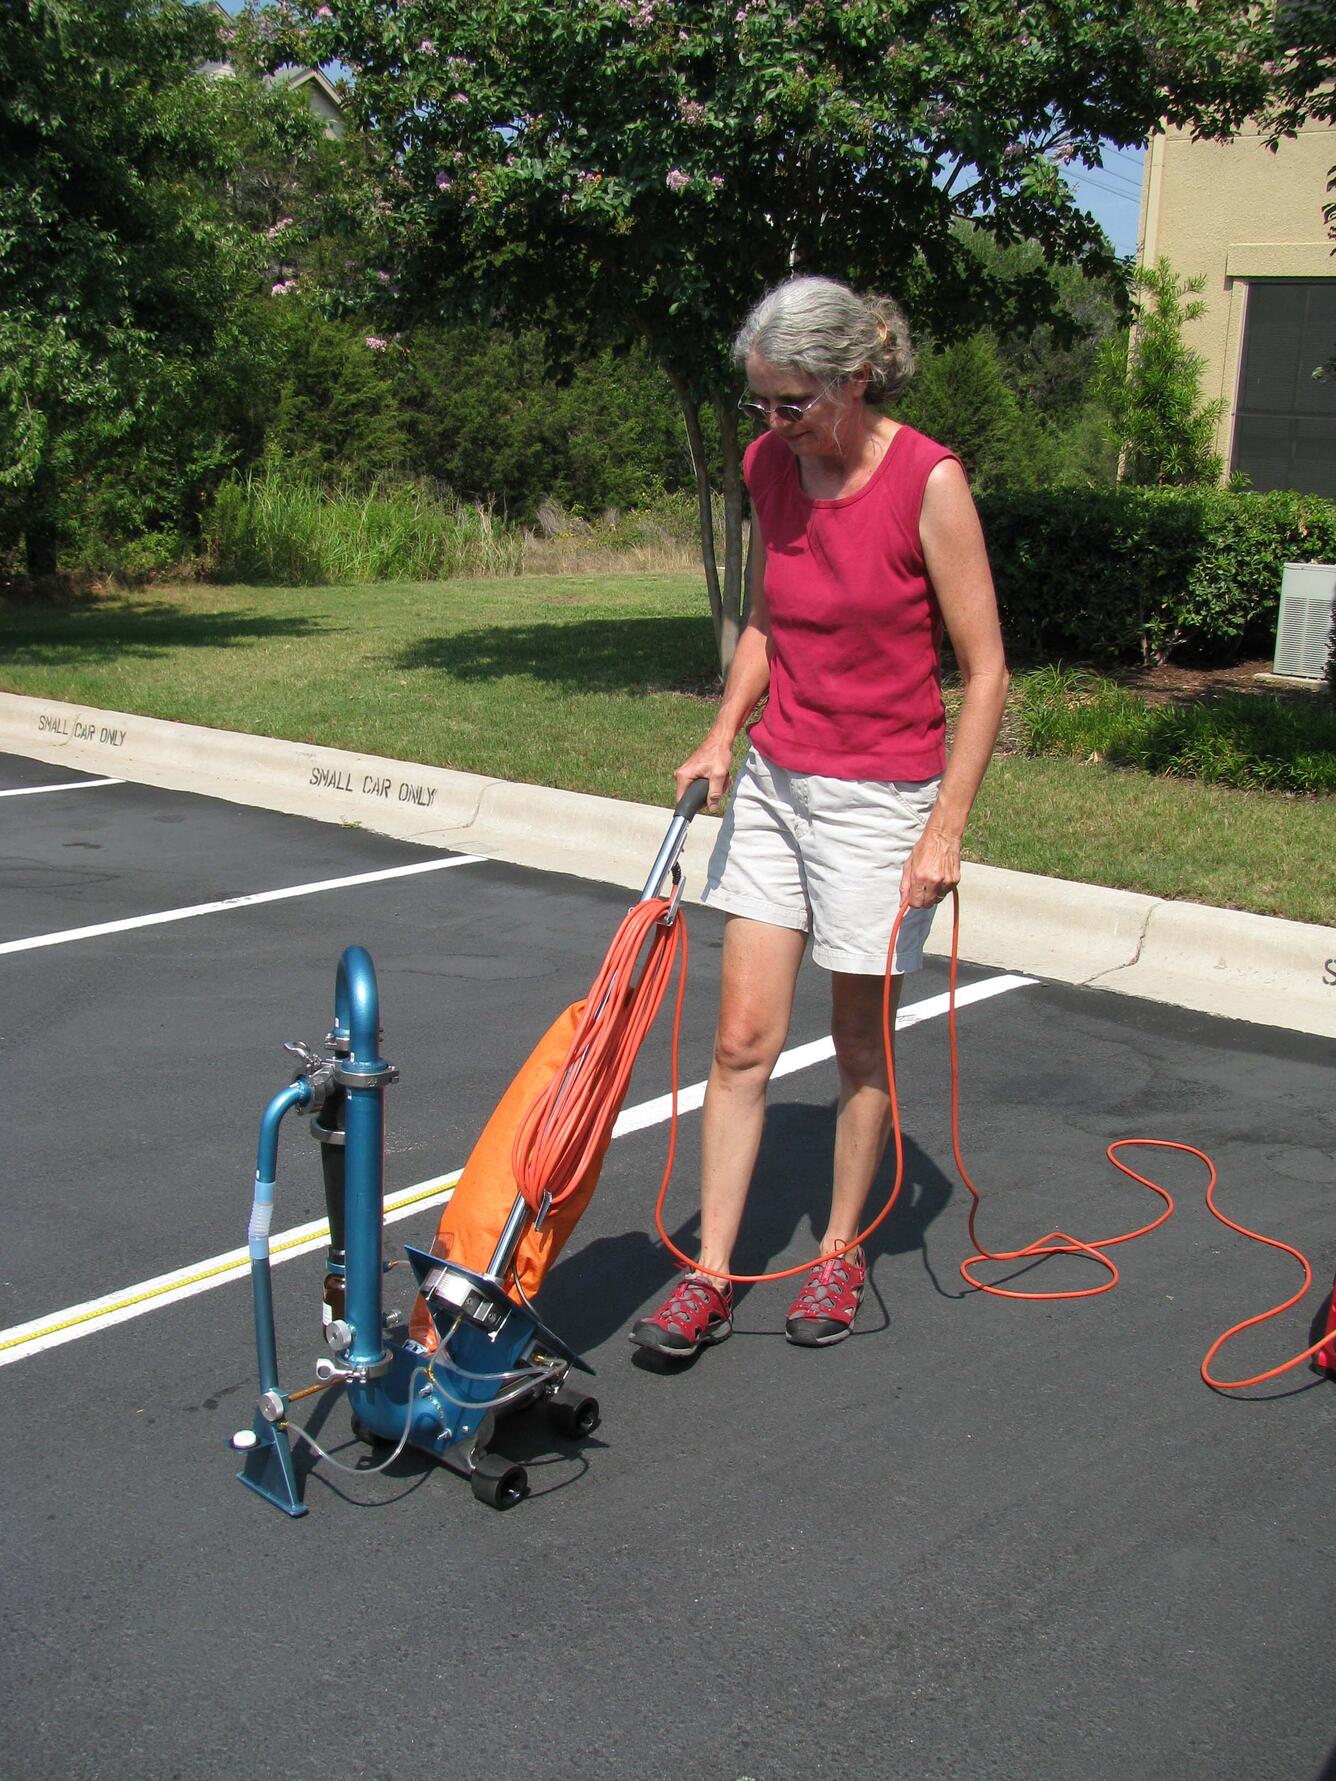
788 412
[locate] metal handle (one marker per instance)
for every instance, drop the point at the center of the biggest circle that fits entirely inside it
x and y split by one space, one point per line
693 799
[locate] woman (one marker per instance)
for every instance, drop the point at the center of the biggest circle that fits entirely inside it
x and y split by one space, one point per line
846 806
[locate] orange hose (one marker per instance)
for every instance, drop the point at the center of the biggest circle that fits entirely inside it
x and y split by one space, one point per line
887 1039
1055 1242
1058 1243
561 1133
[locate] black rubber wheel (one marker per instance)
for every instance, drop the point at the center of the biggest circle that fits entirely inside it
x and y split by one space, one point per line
498 1482
573 1414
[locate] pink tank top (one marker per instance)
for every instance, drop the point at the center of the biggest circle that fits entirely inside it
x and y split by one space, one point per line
855 681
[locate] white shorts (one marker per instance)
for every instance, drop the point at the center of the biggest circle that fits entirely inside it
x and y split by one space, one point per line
824 856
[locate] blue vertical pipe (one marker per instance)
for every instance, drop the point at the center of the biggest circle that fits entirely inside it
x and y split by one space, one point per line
262 1211
357 1011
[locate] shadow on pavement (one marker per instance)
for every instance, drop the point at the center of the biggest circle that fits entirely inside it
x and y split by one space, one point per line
592 1294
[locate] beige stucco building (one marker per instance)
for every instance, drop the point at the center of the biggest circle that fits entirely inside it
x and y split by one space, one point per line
1251 221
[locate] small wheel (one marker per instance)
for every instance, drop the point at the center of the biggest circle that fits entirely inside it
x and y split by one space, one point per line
498 1482
573 1414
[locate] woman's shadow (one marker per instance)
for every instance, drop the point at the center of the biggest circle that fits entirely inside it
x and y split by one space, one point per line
594 1292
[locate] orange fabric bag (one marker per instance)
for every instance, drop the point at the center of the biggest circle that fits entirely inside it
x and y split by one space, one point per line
476 1212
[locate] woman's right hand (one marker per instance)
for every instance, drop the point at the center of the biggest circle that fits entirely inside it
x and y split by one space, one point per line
713 760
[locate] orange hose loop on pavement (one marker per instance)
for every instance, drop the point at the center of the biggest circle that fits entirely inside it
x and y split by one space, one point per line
888 1042
1261 1317
1056 1242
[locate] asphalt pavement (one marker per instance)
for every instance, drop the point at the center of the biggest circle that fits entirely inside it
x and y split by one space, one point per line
979 1539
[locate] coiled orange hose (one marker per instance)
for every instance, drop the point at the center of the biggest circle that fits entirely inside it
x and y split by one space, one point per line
565 1130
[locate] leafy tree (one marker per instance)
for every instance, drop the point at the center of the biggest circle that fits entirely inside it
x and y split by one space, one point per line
1018 404
118 275
1050 365
645 167
961 396
1152 387
336 412
1303 72
469 408
491 422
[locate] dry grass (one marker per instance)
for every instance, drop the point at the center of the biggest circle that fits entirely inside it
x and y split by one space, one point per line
659 540
572 554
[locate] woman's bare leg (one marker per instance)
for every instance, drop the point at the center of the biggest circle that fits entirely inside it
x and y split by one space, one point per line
863 1122
760 969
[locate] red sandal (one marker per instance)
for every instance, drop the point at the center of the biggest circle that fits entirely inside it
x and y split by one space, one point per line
824 1310
696 1312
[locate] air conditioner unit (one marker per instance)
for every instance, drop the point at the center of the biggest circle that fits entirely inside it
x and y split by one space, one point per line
1307 616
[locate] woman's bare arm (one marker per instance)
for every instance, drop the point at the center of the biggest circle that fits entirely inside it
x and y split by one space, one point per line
957 563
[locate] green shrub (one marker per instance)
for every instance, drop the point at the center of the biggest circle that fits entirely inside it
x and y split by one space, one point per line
1250 741
1151 385
153 553
283 528
960 396
1126 572
475 408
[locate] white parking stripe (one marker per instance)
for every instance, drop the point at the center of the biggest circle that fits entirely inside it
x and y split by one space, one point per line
58 1327
802 1057
274 896
70 785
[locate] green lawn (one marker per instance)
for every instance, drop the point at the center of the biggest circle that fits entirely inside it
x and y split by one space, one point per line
594 683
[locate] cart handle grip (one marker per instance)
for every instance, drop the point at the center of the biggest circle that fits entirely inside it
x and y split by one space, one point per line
693 800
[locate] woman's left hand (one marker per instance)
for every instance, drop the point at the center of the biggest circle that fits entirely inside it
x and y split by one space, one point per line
931 870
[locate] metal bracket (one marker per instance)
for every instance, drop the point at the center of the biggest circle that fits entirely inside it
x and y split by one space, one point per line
669 915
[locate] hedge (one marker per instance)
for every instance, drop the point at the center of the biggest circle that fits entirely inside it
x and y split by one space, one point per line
1125 572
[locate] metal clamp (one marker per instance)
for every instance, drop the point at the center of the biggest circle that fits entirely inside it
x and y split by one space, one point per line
364 1075
340 1043
319 1072
328 1371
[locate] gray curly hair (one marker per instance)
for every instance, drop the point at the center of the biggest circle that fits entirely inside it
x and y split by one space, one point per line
829 331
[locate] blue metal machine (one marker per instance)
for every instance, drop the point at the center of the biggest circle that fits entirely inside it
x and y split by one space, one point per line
494 1354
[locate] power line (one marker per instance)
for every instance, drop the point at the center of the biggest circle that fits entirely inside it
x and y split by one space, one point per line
1113 191
1118 178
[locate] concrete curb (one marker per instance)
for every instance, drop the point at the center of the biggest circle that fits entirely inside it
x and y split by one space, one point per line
1220 961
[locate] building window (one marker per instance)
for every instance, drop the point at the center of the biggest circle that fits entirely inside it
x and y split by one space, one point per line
1285 419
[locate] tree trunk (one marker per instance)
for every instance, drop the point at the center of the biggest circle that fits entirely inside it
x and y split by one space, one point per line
728 604
39 527
705 513
733 599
